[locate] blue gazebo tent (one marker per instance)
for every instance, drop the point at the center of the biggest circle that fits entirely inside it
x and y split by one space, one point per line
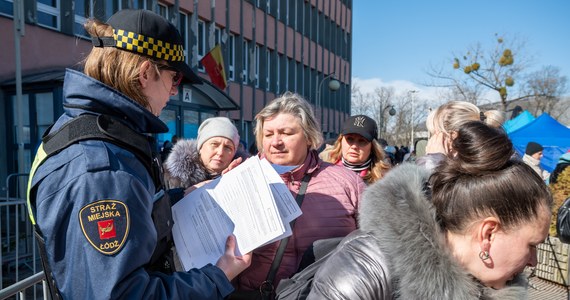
522 119
553 136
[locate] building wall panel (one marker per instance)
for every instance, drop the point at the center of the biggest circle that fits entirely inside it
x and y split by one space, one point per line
270 27
280 37
36 54
205 10
247 21
247 107
220 11
290 41
260 26
298 46
235 19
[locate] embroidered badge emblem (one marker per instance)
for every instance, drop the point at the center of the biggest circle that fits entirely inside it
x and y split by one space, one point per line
105 224
359 121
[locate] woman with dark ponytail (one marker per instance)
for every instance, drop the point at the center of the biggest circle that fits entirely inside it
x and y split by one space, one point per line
467 231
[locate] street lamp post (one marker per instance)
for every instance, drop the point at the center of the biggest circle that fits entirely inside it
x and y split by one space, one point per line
391 112
411 93
334 85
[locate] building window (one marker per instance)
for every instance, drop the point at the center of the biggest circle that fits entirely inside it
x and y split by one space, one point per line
44 113
232 57
184 33
268 70
291 80
273 8
38 115
201 35
305 19
256 66
295 15
48 13
112 6
191 124
163 11
83 10
245 61
7 7
299 82
217 36
169 117
140 4
277 73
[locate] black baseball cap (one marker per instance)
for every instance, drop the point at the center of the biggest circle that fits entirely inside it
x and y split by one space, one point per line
147 33
361 124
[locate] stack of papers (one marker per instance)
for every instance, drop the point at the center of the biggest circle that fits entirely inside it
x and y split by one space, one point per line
251 201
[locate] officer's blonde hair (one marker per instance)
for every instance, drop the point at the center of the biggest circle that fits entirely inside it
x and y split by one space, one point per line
116 68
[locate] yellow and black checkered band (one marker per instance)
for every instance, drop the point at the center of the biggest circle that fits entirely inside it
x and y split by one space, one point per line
148 46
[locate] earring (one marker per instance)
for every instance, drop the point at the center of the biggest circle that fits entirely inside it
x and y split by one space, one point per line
484 255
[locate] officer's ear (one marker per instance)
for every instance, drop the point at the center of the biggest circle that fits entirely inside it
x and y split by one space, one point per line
146 73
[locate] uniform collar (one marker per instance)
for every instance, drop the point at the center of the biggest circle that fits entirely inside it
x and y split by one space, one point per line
84 94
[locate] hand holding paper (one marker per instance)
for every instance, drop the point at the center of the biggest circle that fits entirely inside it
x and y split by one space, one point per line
231 264
251 202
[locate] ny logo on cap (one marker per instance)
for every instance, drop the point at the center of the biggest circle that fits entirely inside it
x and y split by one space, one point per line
359 121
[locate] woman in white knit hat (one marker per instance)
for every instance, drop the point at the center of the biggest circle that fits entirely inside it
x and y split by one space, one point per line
194 161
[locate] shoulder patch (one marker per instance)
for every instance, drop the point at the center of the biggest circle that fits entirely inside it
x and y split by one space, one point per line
105 224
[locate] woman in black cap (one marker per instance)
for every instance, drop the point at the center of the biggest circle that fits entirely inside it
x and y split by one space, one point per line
357 149
97 201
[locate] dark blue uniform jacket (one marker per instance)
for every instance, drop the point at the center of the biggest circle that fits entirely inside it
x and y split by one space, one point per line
93 207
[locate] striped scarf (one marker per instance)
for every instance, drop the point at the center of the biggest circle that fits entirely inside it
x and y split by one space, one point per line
355 167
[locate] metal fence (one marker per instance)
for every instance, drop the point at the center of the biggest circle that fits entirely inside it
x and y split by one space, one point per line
27 288
18 250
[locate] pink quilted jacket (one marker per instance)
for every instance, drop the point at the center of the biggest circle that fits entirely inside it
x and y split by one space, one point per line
329 210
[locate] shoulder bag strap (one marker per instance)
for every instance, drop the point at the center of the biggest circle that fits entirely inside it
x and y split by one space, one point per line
267 287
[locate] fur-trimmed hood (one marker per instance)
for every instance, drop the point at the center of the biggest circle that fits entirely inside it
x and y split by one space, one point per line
397 212
183 167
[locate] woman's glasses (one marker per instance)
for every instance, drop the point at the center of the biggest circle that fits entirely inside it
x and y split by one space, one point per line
177 78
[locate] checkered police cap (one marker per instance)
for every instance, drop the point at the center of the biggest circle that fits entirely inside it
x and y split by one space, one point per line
146 33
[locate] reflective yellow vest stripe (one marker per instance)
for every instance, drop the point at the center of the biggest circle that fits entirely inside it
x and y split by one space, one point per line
38 160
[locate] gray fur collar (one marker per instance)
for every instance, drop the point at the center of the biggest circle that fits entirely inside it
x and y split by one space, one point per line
183 164
399 215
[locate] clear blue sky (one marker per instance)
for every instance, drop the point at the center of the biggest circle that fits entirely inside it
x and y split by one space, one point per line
399 39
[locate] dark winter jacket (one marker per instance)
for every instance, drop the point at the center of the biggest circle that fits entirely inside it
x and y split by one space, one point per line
93 192
399 252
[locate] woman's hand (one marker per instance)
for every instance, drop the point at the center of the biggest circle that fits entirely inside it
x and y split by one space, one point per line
232 165
231 264
197 185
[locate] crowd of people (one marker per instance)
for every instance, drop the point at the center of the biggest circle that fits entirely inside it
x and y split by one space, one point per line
439 226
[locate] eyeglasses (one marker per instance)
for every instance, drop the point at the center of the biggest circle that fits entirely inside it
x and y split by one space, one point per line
176 79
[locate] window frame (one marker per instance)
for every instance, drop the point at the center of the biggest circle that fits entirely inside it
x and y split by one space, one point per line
201 43
231 44
50 10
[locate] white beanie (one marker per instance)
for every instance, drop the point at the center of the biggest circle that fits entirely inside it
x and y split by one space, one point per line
218 126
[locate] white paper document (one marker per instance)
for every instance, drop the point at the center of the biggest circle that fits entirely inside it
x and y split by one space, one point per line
251 201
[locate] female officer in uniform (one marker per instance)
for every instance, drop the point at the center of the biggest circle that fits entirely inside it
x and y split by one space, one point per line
97 207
